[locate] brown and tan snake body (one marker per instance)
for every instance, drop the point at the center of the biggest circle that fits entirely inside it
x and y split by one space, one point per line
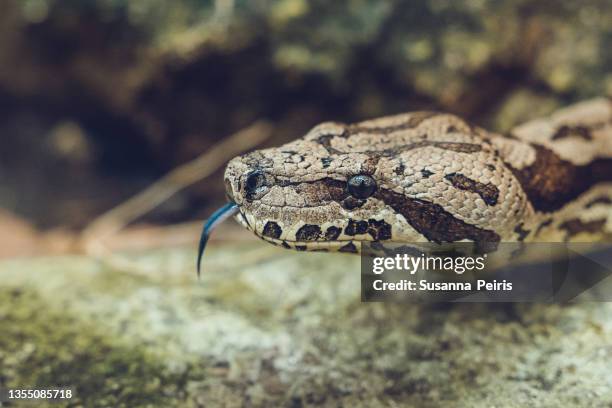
428 176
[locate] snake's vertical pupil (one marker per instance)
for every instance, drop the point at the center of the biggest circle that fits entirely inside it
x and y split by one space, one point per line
361 186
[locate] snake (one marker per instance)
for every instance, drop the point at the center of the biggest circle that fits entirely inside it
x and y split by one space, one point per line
428 176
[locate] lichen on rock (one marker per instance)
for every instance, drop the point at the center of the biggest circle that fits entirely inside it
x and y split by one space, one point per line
286 330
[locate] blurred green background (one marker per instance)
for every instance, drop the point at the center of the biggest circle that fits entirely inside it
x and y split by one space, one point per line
98 98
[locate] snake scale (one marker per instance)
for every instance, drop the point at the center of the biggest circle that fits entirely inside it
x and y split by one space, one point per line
429 177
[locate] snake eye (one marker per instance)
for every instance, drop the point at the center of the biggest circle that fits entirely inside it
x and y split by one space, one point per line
361 186
255 184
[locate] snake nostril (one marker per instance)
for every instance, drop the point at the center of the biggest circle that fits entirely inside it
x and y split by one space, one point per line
254 180
255 183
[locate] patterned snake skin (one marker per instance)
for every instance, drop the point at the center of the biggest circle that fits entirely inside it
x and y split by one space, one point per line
428 176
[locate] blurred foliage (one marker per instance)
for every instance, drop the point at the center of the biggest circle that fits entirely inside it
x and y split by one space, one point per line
141 86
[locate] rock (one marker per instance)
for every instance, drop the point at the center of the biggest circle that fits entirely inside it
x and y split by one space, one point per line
279 328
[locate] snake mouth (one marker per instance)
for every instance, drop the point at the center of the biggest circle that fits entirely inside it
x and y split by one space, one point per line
348 244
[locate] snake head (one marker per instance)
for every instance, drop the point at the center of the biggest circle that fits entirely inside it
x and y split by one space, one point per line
420 177
300 195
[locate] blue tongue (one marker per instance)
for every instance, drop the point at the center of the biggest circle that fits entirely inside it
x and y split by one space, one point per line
215 219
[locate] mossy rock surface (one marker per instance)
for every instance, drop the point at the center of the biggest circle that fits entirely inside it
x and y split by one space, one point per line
269 327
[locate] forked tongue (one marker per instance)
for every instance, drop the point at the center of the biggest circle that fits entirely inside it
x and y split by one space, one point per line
215 219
